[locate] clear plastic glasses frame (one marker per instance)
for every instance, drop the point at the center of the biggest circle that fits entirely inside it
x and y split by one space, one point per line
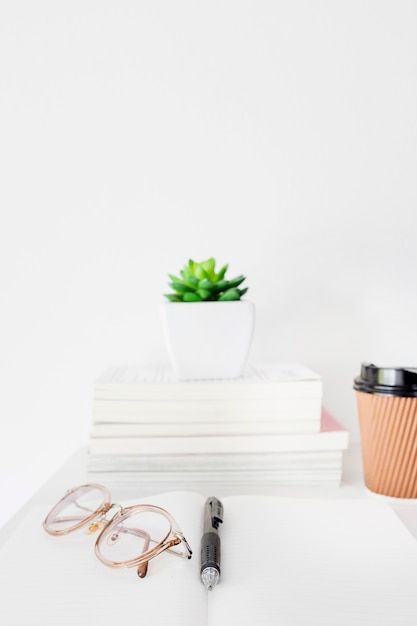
140 532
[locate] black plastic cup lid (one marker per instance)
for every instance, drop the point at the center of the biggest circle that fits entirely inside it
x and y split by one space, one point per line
388 381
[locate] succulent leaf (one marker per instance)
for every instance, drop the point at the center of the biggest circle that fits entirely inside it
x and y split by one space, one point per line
205 283
203 293
208 266
235 282
230 294
189 281
200 272
175 279
172 297
220 275
193 282
221 286
179 287
191 296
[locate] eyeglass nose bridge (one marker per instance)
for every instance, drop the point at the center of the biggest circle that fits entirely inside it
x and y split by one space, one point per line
111 509
102 521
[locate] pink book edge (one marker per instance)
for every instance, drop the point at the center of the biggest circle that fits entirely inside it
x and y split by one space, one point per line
329 423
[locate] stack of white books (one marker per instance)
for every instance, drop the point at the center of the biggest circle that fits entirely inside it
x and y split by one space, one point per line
267 427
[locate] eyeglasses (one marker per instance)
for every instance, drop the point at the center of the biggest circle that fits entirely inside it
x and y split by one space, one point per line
131 538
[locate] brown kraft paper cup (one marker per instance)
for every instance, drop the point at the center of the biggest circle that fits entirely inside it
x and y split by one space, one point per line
388 427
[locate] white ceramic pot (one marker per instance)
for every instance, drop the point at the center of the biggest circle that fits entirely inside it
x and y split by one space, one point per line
208 339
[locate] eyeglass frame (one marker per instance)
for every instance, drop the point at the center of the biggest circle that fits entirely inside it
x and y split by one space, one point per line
174 537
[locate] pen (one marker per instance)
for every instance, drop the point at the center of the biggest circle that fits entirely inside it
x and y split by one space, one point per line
210 543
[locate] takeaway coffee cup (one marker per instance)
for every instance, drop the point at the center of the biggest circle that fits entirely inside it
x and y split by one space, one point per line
387 410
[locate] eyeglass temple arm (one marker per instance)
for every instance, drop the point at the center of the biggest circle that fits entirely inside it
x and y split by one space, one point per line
73 518
143 567
186 549
179 538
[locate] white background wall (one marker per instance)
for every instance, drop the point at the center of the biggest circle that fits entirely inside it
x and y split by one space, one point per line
278 136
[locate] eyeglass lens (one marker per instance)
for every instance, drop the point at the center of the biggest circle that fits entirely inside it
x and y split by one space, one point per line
132 534
76 507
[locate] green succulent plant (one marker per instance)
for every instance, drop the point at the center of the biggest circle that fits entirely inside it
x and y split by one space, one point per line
200 282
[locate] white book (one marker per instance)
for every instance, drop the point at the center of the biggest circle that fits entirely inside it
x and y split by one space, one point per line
216 480
336 434
150 428
209 410
273 380
216 444
289 396
199 463
331 436
284 561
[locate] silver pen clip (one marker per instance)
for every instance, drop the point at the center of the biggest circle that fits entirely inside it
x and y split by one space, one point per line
213 514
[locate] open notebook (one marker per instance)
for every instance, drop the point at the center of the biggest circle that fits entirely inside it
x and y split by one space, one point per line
284 561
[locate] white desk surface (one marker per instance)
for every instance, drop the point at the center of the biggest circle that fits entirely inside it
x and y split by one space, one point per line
74 473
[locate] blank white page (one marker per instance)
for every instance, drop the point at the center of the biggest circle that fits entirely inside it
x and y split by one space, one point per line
292 562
